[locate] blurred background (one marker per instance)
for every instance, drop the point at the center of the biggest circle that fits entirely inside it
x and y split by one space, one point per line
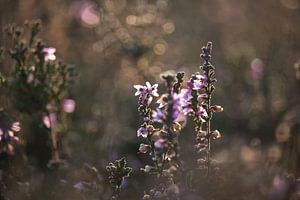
114 44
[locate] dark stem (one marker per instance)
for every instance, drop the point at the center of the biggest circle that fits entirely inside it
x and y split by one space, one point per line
208 131
55 152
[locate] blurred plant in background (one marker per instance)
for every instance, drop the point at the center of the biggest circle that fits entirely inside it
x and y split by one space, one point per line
35 88
37 84
118 171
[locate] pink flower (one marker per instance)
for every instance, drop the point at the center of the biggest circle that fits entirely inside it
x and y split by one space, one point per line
148 89
50 53
201 113
16 127
146 93
142 131
30 78
8 138
160 143
69 105
50 121
158 115
199 82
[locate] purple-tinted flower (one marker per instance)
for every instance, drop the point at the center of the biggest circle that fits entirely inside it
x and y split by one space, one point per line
199 83
16 127
146 100
160 143
148 89
201 113
179 101
180 118
175 114
201 98
142 131
188 109
185 101
86 12
69 105
140 90
158 115
30 78
146 93
124 183
50 121
82 185
146 119
49 53
257 68
186 94
8 138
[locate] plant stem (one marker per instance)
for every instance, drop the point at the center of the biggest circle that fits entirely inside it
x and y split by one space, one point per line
208 131
55 153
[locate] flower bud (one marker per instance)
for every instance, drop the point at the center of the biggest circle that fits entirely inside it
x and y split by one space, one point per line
150 129
147 168
216 134
176 127
201 161
201 136
146 197
160 143
144 148
217 108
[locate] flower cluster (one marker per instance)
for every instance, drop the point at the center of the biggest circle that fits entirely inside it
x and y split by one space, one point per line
8 134
163 123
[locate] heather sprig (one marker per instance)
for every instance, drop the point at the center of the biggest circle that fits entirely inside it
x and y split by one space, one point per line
118 171
202 98
37 83
161 127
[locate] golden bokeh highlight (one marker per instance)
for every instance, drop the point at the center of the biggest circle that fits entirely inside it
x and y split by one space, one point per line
168 27
290 4
160 47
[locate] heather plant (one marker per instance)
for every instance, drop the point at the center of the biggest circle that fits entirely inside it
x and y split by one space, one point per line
37 84
201 104
118 171
162 125
160 128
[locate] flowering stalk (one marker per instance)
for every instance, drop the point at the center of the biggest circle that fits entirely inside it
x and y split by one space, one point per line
208 71
163 141
146 94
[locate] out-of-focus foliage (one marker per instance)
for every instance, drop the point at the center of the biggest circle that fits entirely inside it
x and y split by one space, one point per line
115 44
